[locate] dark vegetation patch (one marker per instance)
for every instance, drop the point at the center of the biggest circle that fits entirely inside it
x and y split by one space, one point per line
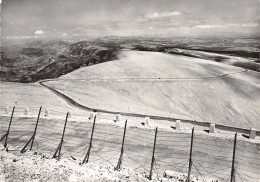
248 65
32 52
219 59
33 64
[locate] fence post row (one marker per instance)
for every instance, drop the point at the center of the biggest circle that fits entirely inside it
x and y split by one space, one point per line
34 133
190 160
119 164
86 158
58 150
151 170
233 160
7 133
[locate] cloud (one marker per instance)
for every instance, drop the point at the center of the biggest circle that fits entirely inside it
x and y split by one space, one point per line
208 26
38 32
250 25
157 15
22 37
225 26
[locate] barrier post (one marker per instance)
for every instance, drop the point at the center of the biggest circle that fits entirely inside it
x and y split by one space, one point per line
151 170
35 129
119 164
86 158
7 133
58 150
233 160
34 133
190 160
252 133
178 125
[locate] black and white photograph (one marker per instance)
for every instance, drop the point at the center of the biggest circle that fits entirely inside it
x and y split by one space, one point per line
130 91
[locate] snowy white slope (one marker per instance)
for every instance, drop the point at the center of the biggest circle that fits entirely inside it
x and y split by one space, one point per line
168 85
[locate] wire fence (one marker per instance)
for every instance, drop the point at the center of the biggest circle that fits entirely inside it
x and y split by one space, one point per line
206 157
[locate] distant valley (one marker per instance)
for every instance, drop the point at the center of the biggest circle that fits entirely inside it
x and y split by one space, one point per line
31 61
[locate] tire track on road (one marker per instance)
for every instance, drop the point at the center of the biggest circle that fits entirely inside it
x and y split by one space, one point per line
151 79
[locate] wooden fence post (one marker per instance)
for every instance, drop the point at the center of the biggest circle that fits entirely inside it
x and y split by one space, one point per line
190 160
34 133
119 164
58 150
7 133
233 159
151 170
86 158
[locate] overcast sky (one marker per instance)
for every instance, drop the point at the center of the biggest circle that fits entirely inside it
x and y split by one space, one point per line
26 18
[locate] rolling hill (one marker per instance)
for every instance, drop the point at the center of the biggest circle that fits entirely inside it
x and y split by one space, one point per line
167 85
